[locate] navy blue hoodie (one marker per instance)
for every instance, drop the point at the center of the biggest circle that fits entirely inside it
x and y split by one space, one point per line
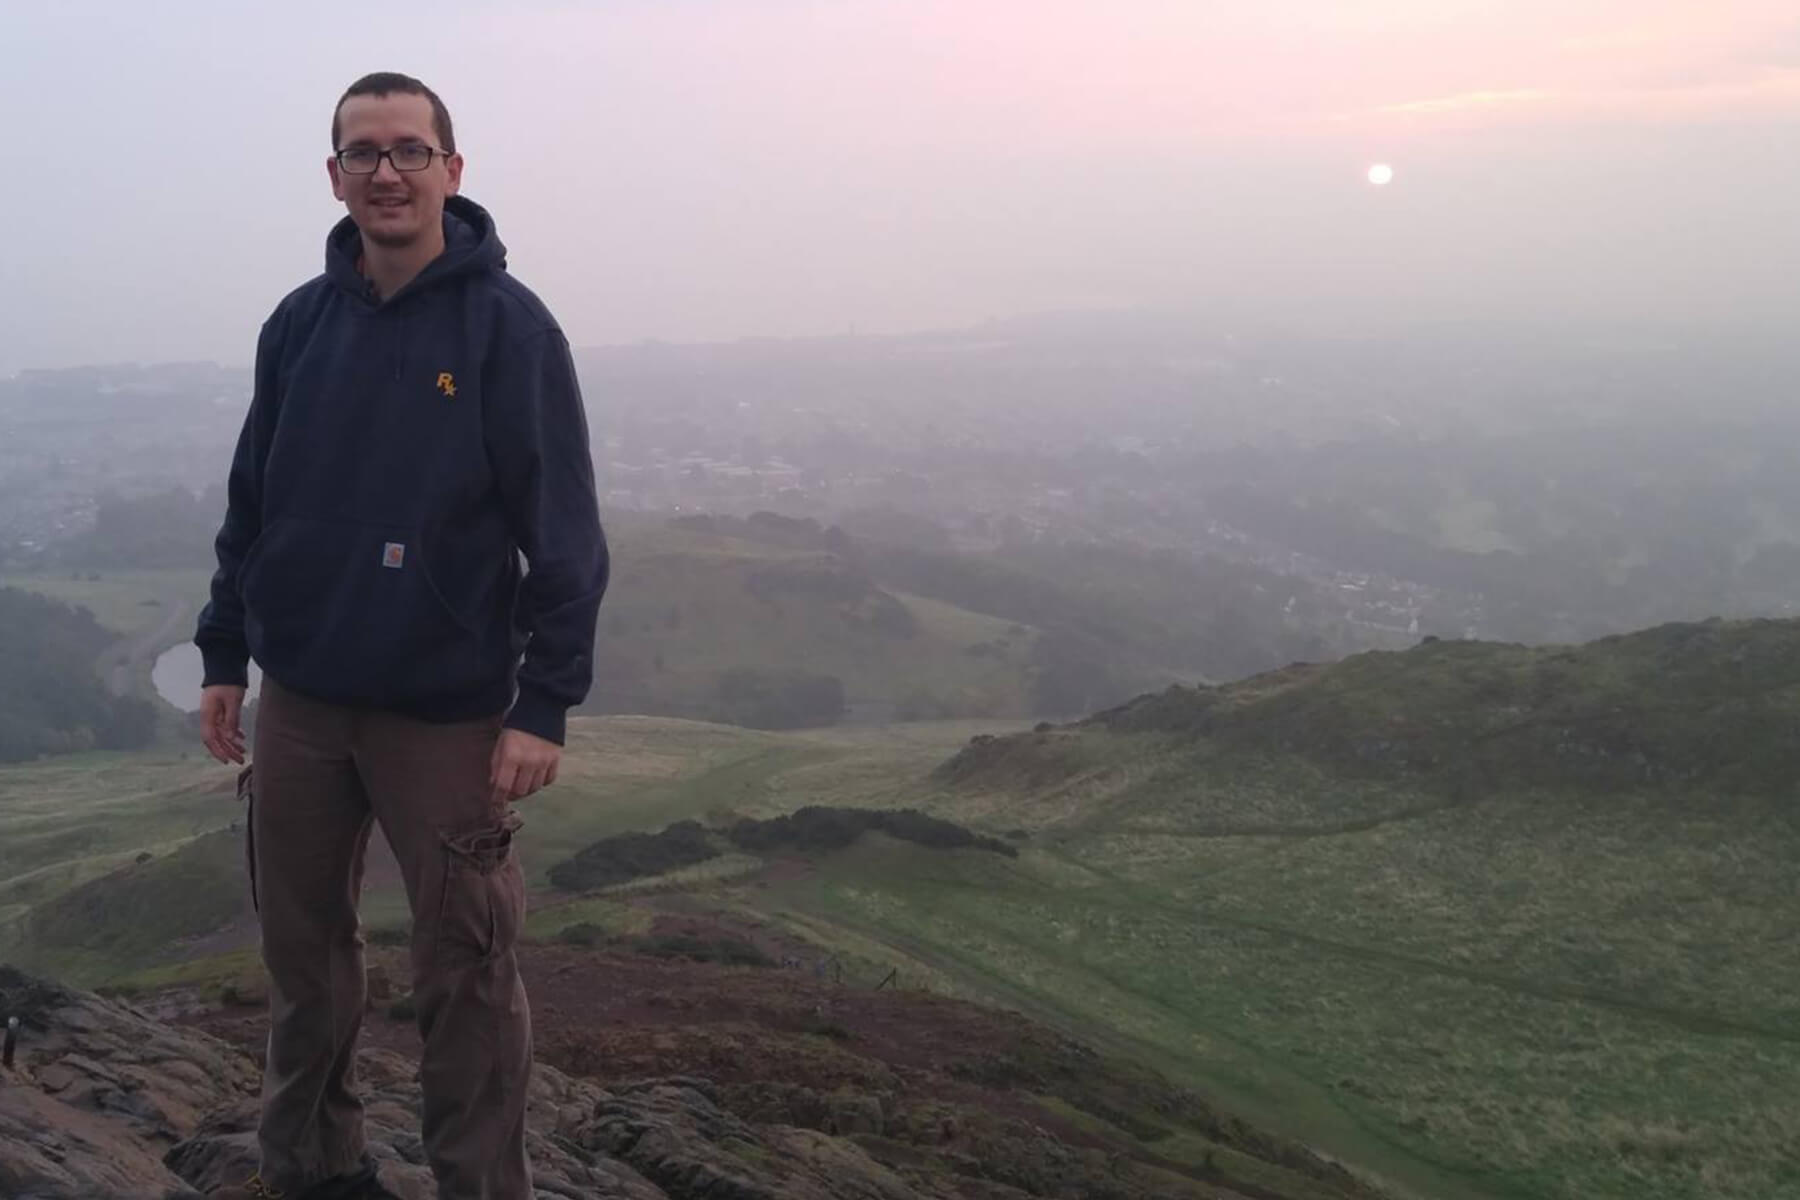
397 458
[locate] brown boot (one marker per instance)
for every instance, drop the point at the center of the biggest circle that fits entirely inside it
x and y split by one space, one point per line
363 1185
252 1188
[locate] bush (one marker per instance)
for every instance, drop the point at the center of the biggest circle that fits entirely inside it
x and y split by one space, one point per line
582 933
729 951
631 856
820 827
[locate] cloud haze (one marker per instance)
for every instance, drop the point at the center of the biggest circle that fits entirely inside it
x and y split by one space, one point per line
703 169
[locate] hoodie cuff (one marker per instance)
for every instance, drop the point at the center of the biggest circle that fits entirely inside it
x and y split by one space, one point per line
539 715
224 665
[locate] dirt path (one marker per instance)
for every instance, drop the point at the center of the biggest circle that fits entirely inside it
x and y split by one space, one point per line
118 663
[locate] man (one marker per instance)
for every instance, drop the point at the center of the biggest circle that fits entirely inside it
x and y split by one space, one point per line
415 427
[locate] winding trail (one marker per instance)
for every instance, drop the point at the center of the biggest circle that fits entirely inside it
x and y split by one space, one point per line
118 662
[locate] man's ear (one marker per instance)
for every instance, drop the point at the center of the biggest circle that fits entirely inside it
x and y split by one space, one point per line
453 167
337 180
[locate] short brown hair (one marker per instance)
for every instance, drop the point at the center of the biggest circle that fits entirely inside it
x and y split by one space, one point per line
387 83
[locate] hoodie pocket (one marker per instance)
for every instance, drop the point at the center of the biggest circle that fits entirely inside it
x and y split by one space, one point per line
347 609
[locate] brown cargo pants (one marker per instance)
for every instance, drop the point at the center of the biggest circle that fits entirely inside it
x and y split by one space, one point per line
323 775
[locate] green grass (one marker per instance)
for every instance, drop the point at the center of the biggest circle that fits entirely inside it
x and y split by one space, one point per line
128 920
1482 922
210 973
129 602
1299 895
643 773
633 773
1189 1148
73 898
691 605
68 819
149 610
74 826
1452 1084
614 916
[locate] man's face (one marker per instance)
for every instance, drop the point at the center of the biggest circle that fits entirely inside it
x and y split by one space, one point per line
393 208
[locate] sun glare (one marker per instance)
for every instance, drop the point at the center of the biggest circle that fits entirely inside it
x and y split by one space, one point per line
1381 174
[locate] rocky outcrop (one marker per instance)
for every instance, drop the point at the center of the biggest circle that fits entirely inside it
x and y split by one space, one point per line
99 1092
107 1103
223 1148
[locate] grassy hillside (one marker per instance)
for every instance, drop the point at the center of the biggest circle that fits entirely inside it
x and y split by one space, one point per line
77 824
1484 921
138 914
687 607
52 699
1494 921
1107 620
76 902
130 617
128 602
775 623
1696 705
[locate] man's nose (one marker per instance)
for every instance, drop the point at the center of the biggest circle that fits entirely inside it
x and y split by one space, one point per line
385 164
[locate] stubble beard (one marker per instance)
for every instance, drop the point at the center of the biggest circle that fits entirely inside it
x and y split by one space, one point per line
390 241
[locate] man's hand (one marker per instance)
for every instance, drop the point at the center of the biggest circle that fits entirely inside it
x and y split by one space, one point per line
220 706
522 763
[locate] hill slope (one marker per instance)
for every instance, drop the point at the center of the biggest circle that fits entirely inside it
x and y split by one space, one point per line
51 699
913 632
694 610
1690 704
682 1082
1482 921
1518 915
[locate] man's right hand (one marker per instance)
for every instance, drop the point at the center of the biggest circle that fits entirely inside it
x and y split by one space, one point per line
220 706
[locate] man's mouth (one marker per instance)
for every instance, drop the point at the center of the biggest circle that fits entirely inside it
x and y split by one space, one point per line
388 202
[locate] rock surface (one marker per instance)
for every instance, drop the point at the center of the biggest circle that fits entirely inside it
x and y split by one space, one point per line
107 1102
730 1086
99 1092
104 1101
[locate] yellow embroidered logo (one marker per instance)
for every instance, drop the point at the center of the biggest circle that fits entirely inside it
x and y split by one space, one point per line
446 383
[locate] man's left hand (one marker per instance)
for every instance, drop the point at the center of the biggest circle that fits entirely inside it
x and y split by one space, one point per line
522 763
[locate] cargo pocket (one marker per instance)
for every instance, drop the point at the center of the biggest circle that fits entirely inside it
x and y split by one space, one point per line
246 792
483 900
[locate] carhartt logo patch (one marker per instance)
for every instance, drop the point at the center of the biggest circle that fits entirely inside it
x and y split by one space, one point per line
446 383
393 555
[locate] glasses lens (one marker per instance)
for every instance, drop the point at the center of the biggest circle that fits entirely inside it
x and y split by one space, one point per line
360 161
411 157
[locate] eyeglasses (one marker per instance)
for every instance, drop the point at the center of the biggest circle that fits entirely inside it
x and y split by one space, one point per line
407 156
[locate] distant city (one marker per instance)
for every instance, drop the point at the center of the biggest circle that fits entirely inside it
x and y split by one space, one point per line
1420 487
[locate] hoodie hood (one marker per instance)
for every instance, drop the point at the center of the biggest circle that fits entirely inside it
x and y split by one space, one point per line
471 245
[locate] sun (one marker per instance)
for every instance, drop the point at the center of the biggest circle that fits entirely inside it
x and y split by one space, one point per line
1381 174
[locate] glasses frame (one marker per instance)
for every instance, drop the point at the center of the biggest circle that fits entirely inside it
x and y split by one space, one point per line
388 154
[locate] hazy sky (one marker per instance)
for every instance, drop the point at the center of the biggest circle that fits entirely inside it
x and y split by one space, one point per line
691 169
